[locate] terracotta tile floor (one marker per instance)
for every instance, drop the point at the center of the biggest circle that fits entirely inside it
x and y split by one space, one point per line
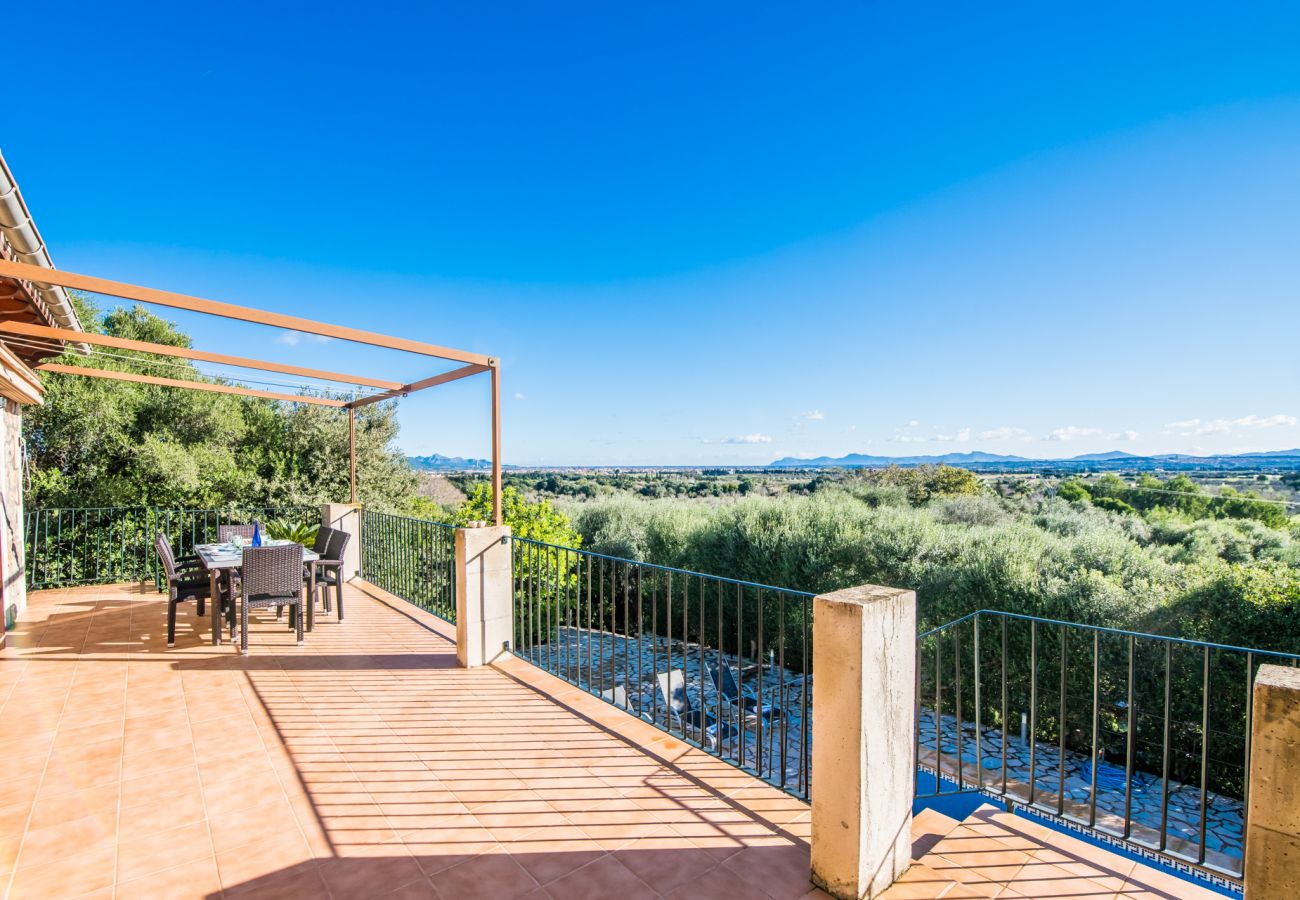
994 854
364 764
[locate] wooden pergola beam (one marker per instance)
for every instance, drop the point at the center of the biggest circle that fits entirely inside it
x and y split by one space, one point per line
188 385
44 332
433 381
23 271
474 362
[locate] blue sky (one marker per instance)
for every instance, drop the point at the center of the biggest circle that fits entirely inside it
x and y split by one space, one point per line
711 236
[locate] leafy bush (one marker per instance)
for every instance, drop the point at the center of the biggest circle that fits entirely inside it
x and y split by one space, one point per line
286 530
1074 492
1057 559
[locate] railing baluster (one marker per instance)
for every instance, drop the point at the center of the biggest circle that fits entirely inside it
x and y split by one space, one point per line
1250 725
938 713
1164 756
758 742
780 672
1096 688
803 698
1205 746
640 658
667 617
979 712
1129 741
1033 710
1004 706
1060 729
724 740
957 711
589 678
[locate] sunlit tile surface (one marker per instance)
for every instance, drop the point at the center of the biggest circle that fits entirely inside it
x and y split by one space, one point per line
364 764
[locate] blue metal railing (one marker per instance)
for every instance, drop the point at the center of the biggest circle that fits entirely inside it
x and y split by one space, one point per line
108 544
1141 738
414 559
722 663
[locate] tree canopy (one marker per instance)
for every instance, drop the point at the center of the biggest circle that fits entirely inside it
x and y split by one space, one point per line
109 443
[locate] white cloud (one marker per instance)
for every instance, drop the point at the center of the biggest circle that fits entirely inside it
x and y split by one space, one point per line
1270 422
519 396
1070 432
755 438
1197 427
812 415
912 424
959 437
907 439
1005 433
1128 435
294 338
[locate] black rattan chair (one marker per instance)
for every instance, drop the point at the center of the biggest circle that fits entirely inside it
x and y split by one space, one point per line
329 568
322 539
185 582
272 576
226 533
319 546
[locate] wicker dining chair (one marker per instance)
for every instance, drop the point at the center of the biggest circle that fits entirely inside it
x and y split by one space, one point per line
226 533
322 539
329 568
187 582
319 546
272 577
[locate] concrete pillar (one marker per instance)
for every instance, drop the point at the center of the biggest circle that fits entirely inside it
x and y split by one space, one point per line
13 574
484 594
1273 820
346 517
863 739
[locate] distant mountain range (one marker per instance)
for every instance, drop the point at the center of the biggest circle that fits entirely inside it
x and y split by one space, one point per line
1114 459
439 463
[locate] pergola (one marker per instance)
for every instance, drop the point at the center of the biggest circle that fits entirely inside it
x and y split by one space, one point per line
387 389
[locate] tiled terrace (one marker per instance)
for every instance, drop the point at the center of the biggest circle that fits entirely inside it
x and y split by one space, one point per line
364 764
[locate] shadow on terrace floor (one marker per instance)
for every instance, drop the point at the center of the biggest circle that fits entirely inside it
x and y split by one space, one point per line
358 765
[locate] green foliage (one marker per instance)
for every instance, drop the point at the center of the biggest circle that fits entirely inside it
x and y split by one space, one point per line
108 443
1061 560
287 530
1115 505
1074 492
1240 604
547 575
428 509
539 521
924 483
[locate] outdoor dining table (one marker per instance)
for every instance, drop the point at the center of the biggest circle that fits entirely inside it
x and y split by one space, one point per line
221 559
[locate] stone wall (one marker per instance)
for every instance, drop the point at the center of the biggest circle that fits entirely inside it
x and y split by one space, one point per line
11 509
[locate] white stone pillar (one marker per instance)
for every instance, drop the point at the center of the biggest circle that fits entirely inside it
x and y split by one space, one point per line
346 517
863 739
484 594
13 561
1273 821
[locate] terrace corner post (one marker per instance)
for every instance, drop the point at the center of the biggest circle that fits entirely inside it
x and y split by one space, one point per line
496 443
13 563
484 595
863 740
346 517
1272 870
352 455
